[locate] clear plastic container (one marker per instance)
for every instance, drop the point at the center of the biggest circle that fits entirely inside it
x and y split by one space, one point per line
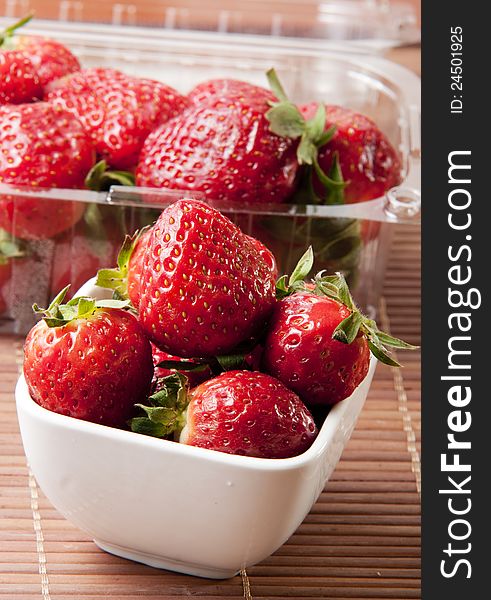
368 23
309 70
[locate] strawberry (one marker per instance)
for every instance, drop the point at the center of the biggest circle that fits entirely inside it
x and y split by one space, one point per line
318 343
89 360
158 271
300 351
40 60
321 133
51 59
116 110
41 146
127 276
369 163
204 287
224 149
19 81
230 92
238 412
346 157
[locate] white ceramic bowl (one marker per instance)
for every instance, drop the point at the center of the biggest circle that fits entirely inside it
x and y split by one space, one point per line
174 506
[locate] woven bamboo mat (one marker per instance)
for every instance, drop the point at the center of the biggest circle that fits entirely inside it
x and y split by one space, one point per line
361 539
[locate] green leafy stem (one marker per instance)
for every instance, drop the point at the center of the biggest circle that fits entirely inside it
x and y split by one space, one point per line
81 307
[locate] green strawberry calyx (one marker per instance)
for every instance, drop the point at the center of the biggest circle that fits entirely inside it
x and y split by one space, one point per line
335 287
165 414
81 307
117 279
100 178
286 120
287 285
9 32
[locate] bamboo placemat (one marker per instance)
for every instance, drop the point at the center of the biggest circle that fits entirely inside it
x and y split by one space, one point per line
361 539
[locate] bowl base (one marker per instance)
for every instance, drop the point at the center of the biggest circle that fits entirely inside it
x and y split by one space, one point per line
159 562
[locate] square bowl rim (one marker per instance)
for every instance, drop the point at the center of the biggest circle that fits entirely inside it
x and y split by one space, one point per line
26 405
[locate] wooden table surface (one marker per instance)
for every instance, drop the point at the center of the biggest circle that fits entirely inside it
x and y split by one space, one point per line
361 539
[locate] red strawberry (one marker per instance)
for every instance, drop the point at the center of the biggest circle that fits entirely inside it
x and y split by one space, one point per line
346 157
230 92
300 351
318 343
204 288
41 147
194 371
19 81
46 58
369 163
88 361
50 58
359 162
223 149
131 270
238 412
116 110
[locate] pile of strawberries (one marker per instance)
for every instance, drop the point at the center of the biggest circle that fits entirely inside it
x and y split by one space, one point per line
201 344
63 126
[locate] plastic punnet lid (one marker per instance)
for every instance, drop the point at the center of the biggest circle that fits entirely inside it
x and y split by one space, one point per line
369 24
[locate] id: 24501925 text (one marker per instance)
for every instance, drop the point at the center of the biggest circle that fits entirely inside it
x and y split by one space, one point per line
456 61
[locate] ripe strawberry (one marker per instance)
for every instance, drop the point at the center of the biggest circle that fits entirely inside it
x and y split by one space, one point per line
126 278
51 59
300 351
230 92
41 147
88 360
204 287
46 58
318 343
337 241
346 157
238 412
116 110
369 163
223 149
19 81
